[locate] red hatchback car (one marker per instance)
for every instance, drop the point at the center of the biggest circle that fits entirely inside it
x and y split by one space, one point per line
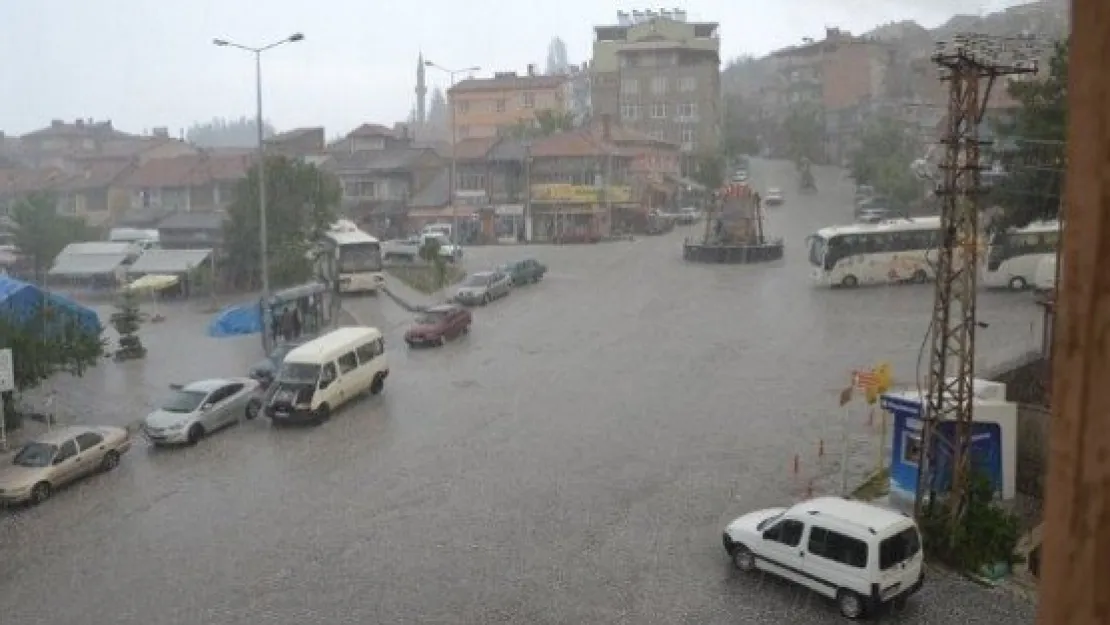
437 324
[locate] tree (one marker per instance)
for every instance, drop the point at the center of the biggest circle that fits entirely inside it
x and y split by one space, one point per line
438 124
126 320
46 340
224 133
740 128
1033 185
804 128
302 203
709 171
883 160
41 233
557 57
546 123
430 253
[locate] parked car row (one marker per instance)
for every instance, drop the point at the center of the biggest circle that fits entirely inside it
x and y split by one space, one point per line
304 383
436 325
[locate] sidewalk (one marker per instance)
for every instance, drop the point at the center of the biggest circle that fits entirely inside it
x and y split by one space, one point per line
120 393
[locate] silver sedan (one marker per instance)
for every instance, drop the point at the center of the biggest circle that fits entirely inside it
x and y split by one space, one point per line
483 287
200 408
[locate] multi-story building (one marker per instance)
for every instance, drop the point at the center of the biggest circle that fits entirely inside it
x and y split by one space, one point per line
488 107
843 79
660 74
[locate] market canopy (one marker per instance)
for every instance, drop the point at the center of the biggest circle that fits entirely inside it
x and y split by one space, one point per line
19 301
153 282
169 261
84 265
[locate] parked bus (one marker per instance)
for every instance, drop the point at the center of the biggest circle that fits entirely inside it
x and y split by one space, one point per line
358 258
1014 255
897 250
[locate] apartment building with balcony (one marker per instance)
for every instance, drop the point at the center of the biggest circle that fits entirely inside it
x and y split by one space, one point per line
660 74
489 107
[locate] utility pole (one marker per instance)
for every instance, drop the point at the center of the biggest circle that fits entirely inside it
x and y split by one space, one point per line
451 187
970 64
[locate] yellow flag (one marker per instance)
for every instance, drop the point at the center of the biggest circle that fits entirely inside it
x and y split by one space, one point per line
883 375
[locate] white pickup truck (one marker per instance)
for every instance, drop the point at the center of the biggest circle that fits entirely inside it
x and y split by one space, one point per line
408 250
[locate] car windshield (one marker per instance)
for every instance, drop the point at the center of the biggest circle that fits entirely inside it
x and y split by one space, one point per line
765 522
184 401
359 257
35 455
299 372
431 318
478 279
817 247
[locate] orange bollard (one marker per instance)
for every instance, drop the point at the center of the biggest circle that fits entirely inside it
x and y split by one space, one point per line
797 464
821 448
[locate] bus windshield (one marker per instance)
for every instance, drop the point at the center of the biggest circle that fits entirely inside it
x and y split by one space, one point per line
360 257
817 247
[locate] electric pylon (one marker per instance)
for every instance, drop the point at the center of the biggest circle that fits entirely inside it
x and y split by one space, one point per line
970 64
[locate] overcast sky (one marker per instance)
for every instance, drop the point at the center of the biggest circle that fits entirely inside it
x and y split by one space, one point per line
145 63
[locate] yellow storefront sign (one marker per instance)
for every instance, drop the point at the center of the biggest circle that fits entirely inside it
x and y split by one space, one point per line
579 194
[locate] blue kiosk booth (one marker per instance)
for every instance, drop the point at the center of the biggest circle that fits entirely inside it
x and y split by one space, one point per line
993 446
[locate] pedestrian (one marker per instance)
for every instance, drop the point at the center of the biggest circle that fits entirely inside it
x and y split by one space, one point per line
297 325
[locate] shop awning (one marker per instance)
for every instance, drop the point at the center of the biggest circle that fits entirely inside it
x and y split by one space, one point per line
85 265
153 282
169 261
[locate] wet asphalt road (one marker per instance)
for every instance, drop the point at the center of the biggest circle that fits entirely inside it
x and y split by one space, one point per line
572 461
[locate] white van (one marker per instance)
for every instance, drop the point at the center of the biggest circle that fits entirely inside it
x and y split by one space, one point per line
1044 279
861 555
318 377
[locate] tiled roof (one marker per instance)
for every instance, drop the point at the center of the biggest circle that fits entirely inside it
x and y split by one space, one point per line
295 133
23 181
508 83
379 160
190 170
132 146
575 143
473 149
96 175
371 130
57 128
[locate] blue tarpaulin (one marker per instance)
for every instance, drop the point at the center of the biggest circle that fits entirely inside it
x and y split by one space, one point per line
236 320
20 300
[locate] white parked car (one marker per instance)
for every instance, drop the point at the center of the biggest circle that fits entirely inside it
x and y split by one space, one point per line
200 408
774 197
408 250
861 555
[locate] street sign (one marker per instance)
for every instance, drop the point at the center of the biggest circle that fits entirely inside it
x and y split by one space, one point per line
7 371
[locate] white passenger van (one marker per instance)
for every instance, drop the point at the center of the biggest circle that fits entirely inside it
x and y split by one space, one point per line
318 377
861 555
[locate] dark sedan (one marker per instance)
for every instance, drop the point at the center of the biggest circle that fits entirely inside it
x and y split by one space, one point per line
525 271
437 324
264 370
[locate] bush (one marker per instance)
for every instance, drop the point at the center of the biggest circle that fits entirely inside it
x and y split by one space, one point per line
987 534
424 278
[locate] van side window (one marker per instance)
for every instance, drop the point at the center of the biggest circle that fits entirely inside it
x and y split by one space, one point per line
837 547
328 374
788 532
348 362
365 353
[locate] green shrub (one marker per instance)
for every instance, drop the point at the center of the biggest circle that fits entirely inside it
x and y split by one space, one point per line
987 533
424 278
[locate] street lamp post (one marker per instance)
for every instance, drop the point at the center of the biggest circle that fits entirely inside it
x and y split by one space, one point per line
263 235
451 73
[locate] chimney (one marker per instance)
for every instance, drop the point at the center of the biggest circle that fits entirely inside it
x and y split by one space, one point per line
80 123
531 69
606 126
161 132
56 123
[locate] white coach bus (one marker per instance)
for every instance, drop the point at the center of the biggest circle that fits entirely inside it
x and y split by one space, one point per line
1014 255
358 258
893 251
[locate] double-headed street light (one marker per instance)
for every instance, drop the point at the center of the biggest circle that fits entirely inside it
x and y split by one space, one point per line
454 139
262 236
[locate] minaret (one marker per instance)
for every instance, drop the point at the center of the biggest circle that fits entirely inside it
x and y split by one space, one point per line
421 91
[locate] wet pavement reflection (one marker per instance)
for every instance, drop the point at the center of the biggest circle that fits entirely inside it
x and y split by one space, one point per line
573 460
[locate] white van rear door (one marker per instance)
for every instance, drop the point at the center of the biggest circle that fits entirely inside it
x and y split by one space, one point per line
900 560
